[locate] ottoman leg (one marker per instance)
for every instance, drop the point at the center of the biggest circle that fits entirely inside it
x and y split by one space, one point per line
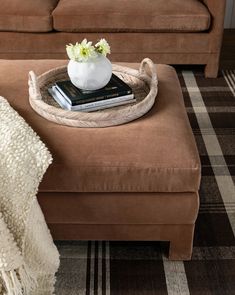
181 244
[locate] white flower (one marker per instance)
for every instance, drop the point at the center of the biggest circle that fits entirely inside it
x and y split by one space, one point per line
70 51
102 47
84 50
81 51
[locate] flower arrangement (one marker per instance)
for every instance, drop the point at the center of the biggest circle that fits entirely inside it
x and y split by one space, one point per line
82 52
89 68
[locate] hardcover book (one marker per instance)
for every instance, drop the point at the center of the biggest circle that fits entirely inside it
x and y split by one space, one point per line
90 106
75 96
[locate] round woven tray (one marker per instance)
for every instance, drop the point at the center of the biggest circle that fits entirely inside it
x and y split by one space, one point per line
144 88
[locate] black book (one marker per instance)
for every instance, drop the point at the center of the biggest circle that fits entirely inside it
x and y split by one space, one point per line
75 96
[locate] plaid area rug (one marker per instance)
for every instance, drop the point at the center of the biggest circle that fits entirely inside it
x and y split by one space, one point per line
141 268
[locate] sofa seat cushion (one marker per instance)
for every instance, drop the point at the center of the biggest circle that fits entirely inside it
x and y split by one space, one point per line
131 16
27 15
156 153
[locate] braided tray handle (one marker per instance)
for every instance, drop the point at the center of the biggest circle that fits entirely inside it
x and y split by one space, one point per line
34 90
147 62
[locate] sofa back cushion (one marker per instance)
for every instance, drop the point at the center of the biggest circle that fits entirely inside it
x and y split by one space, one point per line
131 16
27 15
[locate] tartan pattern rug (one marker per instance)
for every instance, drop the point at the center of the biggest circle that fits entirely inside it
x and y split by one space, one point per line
141 268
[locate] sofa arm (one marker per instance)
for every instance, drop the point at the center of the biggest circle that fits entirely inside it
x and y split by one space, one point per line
217 11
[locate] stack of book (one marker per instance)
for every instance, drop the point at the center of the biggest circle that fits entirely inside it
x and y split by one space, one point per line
69 97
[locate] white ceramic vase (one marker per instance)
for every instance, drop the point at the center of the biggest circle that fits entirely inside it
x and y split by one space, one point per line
92 74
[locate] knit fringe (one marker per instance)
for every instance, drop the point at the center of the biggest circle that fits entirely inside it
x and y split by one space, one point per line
18 281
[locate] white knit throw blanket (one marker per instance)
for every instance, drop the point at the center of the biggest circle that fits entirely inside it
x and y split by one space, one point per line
28 256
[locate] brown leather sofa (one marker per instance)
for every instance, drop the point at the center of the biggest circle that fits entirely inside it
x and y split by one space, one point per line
171 32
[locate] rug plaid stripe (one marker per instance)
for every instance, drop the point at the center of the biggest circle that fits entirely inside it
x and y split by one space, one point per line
141 268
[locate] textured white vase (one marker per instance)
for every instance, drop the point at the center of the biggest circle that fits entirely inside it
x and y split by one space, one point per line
92 74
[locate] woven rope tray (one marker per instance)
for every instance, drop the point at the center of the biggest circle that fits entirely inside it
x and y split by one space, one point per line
144 88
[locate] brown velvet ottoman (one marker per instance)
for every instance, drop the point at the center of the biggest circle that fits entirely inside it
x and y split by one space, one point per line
137 181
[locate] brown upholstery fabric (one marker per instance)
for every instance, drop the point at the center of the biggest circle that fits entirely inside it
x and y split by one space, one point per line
24 45
156 153
170 48
217 11
119 208
26 15
131 16
166 48
124 216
